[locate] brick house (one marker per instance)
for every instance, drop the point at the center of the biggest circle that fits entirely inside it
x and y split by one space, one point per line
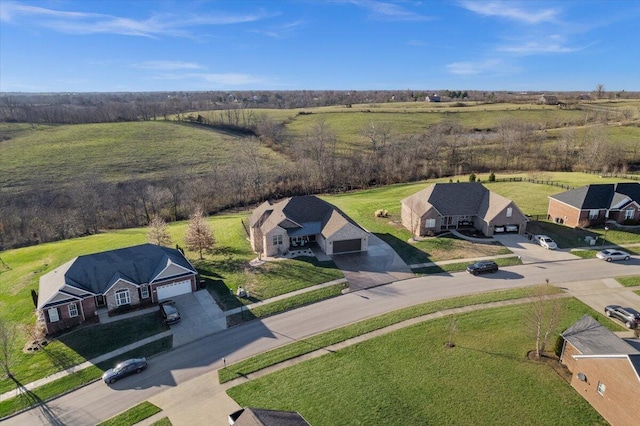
596 204
145 274
297 222
605 370
445 206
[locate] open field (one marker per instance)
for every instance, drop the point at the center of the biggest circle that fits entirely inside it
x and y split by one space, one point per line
410 377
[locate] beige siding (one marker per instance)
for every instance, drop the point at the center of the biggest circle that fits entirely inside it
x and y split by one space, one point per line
274 250
347 232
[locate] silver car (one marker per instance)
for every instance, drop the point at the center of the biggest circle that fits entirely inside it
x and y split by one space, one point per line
611 254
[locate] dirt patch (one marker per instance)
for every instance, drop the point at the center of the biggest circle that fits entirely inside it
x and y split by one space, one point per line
552 361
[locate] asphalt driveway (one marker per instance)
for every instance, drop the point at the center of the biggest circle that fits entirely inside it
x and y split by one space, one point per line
379 265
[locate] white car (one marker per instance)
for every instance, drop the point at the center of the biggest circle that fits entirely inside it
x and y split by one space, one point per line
611 254
545 242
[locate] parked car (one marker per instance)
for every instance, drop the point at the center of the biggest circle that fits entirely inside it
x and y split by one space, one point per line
482 267
545 242
511 228
498 229
169 311
125 368
630 317
611 254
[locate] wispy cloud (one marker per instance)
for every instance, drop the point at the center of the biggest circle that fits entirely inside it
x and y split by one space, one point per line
73 22
167 65
388 11
486 67
281 31
507 10
536 48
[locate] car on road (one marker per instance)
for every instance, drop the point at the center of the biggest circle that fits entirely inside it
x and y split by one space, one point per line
545 242
482 267
612 254
630 317
169 311
124 369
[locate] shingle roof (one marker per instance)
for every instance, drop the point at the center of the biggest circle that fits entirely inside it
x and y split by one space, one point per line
304 215
599 196
464 198
96 272
262 417
592 338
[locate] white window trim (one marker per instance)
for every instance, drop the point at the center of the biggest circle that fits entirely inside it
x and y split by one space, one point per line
55 317
73 310
126 297
277 240
430 223
629 214
601 389
509 211
144 292
594 214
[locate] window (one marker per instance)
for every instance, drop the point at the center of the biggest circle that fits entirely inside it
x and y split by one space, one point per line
601 388
122 297
53 315
509 211
144 292
277 239
73 310
628 214
430 223
593 214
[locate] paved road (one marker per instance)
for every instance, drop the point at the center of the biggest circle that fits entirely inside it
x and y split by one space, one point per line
97 401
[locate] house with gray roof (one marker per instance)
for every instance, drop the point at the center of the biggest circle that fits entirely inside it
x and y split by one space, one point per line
605 370
445 206
117 279
249 416
596 204
297 222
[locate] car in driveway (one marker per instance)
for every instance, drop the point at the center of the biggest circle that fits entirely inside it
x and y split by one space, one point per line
612 254
124 369
169 312
630 317
545 241
482 267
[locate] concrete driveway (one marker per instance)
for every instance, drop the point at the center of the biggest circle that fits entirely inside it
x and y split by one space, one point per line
200 317
529 251
379 265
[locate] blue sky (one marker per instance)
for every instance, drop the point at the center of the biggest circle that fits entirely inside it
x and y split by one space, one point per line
118 45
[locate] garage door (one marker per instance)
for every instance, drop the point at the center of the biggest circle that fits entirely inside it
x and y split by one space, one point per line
346 246
175 289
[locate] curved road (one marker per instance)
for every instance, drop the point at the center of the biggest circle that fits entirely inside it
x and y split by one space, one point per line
97 402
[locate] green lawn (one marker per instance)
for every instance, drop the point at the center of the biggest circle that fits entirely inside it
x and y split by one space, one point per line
459 267
410 377
133 415
629 281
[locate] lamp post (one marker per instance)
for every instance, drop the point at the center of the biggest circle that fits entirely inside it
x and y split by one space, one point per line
604 238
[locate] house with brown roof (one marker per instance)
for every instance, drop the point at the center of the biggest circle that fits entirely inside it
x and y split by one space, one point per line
444 206
596 204
605 370
298 222
117 279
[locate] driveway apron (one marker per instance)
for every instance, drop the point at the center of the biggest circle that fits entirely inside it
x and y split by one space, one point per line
200 316
529 251
379 265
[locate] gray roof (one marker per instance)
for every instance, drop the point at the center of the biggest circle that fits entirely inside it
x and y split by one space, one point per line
592 338
95 273
464 198
304 215
262 417
599 196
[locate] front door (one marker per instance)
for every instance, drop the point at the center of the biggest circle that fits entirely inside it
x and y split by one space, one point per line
99 300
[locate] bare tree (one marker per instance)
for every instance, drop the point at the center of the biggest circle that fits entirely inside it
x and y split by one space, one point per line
159 232
8 342
543 316
199 236
600 91
453 327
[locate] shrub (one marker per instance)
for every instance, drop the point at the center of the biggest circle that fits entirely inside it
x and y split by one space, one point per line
381 213
492 177
472 177
630 222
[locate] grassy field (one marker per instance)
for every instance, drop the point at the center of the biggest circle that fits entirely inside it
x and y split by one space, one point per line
133 415
629 281
410 377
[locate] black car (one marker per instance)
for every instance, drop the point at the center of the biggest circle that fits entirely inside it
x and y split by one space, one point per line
169 312
482 267
125 368
630 317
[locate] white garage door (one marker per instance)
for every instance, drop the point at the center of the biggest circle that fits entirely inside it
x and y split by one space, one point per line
175 289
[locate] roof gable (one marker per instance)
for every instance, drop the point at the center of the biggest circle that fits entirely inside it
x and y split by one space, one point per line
599 196
592 338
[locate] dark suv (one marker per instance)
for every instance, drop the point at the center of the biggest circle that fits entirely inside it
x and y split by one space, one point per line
482 267
630 317
169 312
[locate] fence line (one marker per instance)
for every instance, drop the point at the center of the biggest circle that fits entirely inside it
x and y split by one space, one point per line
542 182
612 174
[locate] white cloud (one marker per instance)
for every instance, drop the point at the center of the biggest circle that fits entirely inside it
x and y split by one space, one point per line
72 22
486 67
534 48
502 9
389 11
282 30
167 65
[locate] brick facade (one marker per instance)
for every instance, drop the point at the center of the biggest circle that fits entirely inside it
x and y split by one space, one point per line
110 295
